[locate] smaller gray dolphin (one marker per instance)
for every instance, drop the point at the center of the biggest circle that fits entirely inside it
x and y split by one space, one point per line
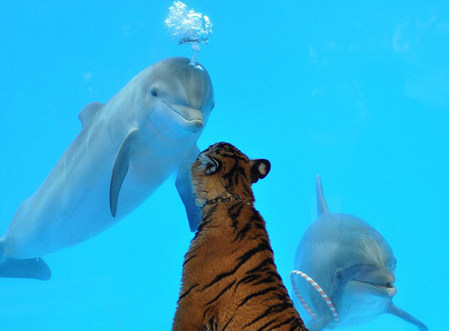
346 271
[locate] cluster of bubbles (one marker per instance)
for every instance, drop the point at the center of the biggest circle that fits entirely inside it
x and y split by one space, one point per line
188 27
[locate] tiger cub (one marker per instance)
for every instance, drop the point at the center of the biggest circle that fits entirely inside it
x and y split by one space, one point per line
230 281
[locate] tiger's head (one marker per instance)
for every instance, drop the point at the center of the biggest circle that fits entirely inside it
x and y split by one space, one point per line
222 171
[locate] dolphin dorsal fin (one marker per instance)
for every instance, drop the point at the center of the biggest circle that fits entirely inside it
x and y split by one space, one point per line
89 112
321 205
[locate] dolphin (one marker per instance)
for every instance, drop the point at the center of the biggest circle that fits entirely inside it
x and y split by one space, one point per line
347 271
125 150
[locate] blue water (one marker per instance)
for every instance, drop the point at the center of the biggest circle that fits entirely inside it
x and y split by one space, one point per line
357 91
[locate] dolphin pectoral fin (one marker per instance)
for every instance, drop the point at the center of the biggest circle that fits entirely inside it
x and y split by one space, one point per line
121 166
185 190
317 324
35 268
407 317
89 112
186 193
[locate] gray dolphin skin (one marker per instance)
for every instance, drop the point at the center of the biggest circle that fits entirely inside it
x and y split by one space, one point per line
353 264
125 150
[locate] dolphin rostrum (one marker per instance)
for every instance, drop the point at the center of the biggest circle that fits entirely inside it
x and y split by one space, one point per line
344 271
125 150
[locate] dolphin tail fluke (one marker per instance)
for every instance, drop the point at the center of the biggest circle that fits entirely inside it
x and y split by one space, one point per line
35 268
407 317
320 202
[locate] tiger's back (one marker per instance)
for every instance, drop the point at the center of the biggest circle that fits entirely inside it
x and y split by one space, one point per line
230 281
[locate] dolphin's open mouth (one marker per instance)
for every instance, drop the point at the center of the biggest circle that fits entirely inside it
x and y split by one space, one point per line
191 117
387 288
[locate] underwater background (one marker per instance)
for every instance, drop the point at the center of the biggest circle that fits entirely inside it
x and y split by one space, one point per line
356 91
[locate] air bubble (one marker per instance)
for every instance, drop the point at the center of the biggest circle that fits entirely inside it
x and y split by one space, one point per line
188 27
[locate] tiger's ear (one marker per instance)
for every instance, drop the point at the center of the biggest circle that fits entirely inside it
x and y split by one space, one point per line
209 165
259 169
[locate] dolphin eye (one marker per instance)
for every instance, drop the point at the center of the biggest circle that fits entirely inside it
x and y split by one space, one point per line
339 276
153 92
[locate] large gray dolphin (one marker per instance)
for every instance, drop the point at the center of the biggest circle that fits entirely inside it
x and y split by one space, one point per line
125 150
352 264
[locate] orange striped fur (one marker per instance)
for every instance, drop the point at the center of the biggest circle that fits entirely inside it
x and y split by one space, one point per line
230 281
